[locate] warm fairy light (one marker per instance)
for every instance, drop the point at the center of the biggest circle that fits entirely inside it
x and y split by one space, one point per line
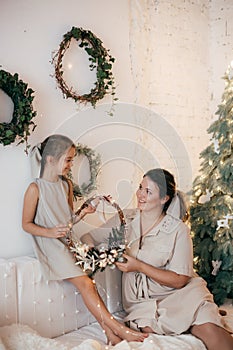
198 192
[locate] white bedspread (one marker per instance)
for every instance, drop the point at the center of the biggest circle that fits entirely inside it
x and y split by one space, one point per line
20 337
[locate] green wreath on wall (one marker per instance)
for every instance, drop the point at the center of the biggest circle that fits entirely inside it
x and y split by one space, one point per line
94 164
99 58
21 123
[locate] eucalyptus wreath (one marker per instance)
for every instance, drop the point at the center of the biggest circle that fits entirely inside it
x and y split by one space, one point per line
93 259
21 95
94 164
99 58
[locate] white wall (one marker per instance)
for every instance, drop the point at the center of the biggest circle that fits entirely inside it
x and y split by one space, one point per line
170 56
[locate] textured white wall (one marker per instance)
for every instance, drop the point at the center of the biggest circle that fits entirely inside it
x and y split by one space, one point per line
170 56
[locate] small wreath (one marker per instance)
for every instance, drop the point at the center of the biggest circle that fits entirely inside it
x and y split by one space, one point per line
21 95
99 59
93 259
94 163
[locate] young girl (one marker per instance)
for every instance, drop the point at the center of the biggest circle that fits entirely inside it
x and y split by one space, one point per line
47 209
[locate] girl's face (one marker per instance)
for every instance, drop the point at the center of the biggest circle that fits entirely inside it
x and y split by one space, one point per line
65 162
148 196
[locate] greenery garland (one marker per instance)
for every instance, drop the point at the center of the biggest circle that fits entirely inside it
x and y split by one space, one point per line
21 95
94 163
99 58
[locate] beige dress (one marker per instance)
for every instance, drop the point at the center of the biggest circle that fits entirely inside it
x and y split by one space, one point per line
147 303
56 260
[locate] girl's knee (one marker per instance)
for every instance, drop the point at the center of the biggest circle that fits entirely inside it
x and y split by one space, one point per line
82 282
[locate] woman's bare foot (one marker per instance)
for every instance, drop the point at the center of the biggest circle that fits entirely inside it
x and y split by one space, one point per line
147 329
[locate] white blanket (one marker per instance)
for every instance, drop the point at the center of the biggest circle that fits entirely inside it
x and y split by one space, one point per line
21 337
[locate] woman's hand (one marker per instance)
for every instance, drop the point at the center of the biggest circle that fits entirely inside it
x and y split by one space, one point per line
164 277
131 265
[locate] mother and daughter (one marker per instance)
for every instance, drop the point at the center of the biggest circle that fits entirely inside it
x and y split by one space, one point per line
161 293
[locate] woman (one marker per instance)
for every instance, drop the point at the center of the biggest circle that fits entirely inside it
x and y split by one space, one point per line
161 293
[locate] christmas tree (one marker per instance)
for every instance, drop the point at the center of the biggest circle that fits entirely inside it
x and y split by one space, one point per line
211 209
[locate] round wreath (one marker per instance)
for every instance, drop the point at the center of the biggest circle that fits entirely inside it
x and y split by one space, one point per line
94 163
21 95
99 58
92 259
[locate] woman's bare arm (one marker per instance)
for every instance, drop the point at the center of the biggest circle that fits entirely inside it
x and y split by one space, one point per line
164 277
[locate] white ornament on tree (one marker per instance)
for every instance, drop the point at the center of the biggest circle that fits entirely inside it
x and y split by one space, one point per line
205 197
216 266
216 146
224 222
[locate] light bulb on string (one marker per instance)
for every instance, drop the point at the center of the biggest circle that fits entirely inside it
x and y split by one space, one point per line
198 192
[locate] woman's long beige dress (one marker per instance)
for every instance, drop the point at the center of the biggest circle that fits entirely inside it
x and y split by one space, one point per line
57 262
166 310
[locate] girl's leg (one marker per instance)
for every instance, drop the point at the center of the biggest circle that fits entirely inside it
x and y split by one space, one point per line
213 336
115 331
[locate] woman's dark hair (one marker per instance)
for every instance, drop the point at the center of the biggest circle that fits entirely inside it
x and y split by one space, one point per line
55 145
167 187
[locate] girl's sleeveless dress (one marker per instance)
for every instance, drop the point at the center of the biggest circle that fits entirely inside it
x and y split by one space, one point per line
57 262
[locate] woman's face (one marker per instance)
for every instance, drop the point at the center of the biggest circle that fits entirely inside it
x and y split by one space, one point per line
148 196
66 161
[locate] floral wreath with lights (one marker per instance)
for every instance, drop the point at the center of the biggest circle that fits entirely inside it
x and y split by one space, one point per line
21 95
92 259
94 163
99 58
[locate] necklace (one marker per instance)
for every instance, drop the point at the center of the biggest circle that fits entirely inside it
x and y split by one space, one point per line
142 234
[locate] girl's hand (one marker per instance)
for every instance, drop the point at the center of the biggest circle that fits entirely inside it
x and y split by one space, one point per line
91 207
58 231
131 265
88 208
